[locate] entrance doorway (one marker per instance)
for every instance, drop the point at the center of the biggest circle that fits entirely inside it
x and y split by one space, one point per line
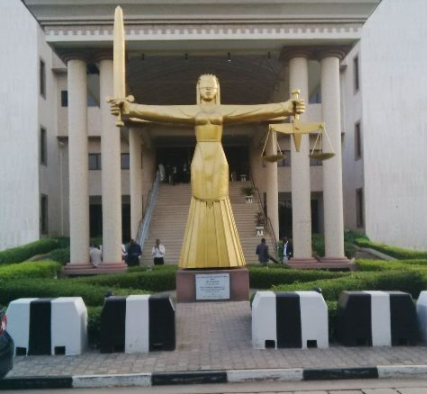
176 162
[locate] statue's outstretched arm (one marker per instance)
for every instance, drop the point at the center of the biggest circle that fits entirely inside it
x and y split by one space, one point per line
261 112
181 114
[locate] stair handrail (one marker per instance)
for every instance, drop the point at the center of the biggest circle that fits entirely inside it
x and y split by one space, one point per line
267 219
144 224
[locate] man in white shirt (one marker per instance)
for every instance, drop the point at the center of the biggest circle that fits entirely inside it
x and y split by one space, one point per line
95 255
158 253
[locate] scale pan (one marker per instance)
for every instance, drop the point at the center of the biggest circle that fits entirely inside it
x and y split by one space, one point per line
272 158
322 156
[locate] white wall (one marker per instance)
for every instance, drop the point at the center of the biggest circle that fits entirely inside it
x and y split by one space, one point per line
394 85
19 147
351 114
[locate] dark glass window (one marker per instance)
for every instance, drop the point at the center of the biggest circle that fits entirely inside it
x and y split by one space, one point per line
286 162
356 73
43 146
357 141
42 78
94 161
44 227
64 98
360 222
125 161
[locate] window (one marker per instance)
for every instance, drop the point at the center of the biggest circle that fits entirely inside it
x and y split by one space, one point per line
315 162
357 141
64 98
43 146
94 161
42 78
356 73
359 208
286 162
44 228
125 161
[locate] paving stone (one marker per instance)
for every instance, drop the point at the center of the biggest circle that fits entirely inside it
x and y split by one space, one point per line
380 391
412 390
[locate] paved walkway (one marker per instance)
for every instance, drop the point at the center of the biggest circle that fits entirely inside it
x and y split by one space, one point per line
216 336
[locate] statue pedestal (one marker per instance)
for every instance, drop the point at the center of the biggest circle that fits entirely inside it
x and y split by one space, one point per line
212 285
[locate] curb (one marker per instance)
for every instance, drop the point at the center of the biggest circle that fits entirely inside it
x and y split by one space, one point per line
210 377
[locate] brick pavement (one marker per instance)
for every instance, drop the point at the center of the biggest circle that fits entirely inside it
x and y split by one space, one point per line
216 336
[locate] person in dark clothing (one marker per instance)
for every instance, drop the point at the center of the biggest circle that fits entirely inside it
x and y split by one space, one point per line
263 255
134 252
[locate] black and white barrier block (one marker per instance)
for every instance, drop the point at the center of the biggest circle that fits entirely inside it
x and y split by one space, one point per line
422 315
48 326
376 318
137 324
289 320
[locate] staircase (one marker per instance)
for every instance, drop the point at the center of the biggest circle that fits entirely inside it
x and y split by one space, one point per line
170 218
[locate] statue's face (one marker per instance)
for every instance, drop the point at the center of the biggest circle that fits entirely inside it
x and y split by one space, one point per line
208 88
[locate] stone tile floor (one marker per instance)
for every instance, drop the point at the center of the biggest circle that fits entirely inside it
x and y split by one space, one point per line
216 336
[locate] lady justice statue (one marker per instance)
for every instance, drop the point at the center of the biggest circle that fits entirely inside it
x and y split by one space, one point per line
211 239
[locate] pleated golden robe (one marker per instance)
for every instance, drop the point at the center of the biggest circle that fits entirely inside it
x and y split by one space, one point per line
211 239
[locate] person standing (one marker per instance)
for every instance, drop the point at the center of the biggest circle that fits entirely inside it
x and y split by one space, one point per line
263 255
158 252
134 253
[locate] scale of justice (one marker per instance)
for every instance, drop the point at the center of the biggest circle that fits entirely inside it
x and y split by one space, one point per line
297 129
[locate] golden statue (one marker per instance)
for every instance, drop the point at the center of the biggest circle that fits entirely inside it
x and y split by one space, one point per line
211 239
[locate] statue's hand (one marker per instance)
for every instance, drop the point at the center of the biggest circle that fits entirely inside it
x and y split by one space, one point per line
119 105
298 106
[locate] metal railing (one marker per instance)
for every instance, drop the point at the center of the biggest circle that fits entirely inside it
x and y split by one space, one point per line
144 225
267 219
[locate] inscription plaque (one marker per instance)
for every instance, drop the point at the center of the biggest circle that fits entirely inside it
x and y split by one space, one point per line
213 287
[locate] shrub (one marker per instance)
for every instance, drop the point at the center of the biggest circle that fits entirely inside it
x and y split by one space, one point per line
398 253
263 278
51 288
318 245
154 280
94 326
31 269
380 265
408 281
60 255
24 252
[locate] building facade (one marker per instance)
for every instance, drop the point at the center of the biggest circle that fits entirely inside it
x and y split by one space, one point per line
67 170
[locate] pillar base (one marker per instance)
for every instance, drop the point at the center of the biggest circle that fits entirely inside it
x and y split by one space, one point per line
89 269
329 263
212 285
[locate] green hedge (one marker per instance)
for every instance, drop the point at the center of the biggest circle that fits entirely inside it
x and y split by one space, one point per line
318 245
61 255
393 251
380 265
263 278
50 288
24 252
412 282
30 269
155 280
94 326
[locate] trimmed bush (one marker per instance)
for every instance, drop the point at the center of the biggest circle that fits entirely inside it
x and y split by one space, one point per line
412 282
30 269
393 251
156 280
94 326
24 252
263 278
60 255
318 245
50 288
380 265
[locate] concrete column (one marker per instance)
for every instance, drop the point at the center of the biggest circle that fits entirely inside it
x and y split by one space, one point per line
135 174
332 168
78 165
273 191
300 168
111 176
